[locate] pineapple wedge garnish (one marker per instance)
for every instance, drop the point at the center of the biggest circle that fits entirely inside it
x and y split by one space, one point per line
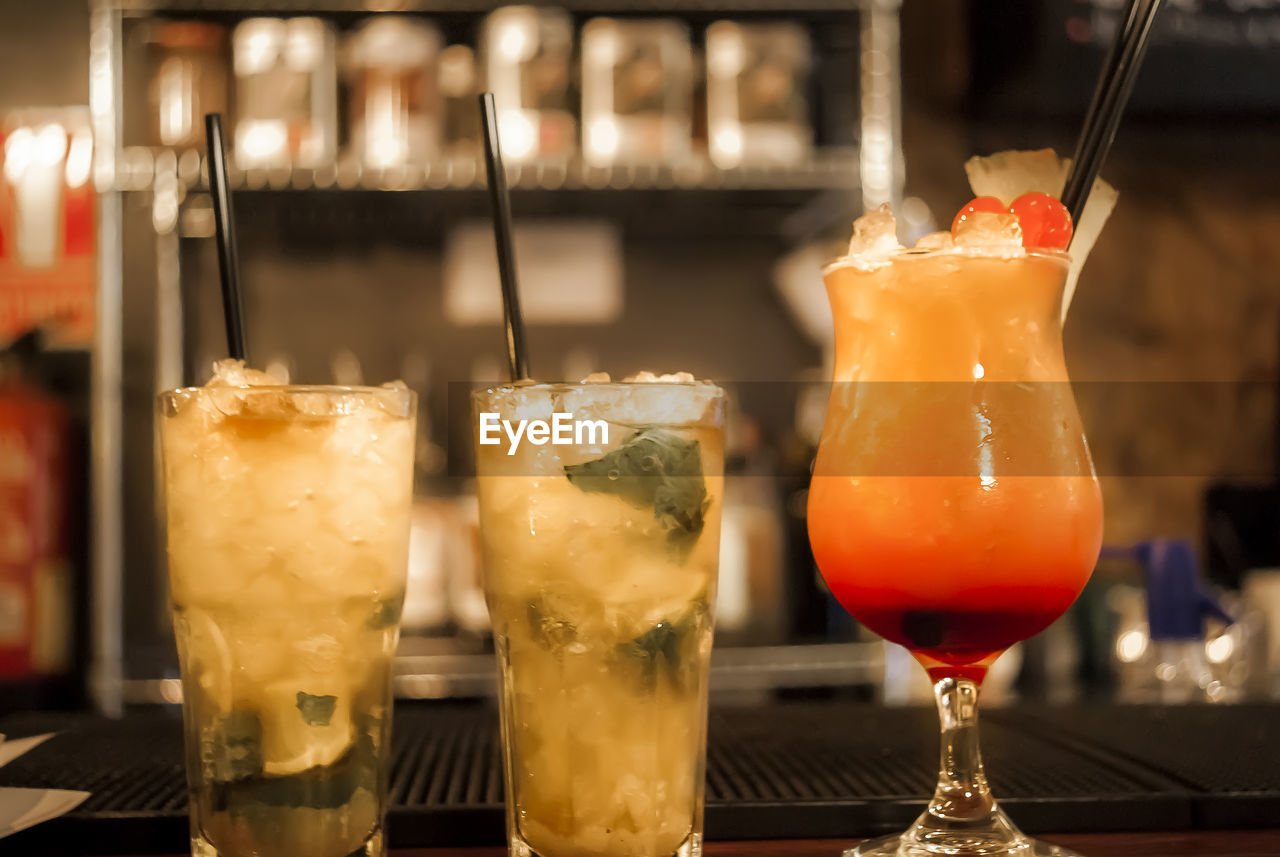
1008 175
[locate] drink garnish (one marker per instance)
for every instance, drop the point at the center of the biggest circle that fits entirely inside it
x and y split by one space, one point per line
1043 221
316 710
547 626
981 203
1009 175
663 646
653 468
386 614
235 746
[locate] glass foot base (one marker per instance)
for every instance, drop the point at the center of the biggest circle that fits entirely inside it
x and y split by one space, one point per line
584 847
298 846
957 845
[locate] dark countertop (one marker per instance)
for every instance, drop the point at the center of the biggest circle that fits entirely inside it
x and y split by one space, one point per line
797 778
1241 843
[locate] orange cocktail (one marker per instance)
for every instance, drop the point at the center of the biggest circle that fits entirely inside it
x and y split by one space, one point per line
953 507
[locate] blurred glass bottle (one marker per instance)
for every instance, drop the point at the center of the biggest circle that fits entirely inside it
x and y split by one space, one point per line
637 92
459 86
1168 659
48 208
757 85
526 54
188 80
392 64
433 524
751 597
286 93
35 594
1260 603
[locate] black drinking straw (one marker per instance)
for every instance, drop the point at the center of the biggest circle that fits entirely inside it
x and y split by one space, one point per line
500 206
1115 85
224 228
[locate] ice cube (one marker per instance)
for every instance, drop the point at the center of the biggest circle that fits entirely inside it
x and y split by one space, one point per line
229 396
647 377
875 234
990 231
233 373
936 241
644 404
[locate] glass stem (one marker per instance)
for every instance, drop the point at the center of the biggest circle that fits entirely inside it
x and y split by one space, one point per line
962 794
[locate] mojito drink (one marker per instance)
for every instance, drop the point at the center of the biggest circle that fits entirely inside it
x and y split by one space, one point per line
600 572
288 521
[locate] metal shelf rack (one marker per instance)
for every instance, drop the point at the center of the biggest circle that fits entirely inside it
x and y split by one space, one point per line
370 7
165 182
146 169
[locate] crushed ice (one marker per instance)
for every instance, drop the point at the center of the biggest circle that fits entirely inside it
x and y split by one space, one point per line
992 232
875 235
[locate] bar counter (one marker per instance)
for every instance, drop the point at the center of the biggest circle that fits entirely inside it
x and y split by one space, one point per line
800 779
1246 843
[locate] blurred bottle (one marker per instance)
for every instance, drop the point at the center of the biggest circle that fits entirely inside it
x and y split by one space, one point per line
47 224
188 80
757 85
1260 591
814 615
751 598
286 93
1168 659
459 86
637 92
467 607
392 63
434 525
35 596
526 54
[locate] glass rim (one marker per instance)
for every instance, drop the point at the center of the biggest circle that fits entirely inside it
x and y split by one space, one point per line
573 386
289 389
991 253
395 402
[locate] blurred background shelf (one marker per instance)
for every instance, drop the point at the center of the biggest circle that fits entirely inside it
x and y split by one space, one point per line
346 263
440 668
435 7
142 168
668 260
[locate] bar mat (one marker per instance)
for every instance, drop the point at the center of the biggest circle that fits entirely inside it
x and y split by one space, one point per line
789 770
1228 757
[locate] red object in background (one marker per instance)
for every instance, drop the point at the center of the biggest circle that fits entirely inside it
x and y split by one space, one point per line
34 596
61 292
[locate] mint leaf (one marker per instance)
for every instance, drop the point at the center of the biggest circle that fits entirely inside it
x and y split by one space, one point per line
316 710
386 614
547 627
668 648
232 747
653 468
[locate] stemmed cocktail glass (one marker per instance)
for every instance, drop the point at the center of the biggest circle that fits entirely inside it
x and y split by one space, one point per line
954 507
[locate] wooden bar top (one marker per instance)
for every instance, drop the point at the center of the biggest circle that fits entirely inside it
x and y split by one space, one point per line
1203 843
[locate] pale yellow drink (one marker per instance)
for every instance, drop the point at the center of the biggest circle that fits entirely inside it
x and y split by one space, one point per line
600 572
288 522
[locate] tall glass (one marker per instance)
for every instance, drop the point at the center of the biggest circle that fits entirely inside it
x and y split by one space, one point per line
288 529
600 573
953 507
